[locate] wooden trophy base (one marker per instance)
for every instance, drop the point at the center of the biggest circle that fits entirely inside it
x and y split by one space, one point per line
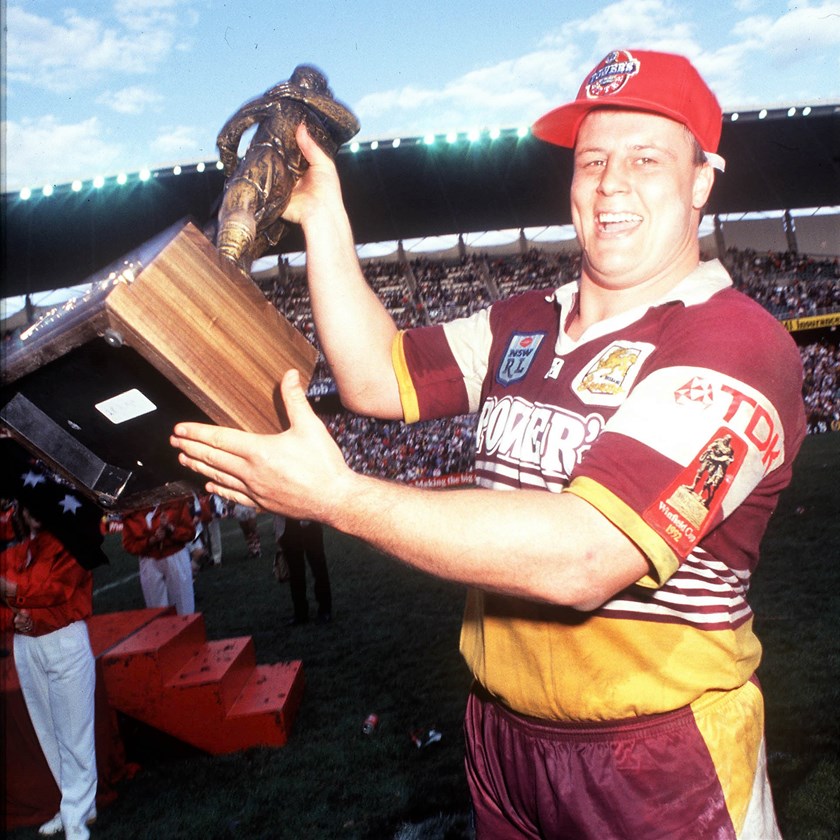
172 332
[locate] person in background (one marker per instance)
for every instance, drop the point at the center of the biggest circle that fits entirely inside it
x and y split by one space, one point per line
301 542
47 595
213 526
160 536
607 625
246 516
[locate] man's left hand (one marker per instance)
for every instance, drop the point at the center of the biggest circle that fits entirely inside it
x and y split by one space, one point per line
300 472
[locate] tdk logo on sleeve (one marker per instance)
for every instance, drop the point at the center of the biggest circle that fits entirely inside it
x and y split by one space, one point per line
517 358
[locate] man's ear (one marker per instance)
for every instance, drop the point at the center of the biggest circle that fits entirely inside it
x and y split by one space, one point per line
704 179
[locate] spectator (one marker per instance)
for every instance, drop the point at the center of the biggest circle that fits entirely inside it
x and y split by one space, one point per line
160 536
301 542
47 590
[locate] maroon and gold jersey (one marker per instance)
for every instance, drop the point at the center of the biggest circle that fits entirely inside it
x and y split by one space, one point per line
679 422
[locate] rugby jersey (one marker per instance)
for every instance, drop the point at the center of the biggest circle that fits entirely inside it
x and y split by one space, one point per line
679 421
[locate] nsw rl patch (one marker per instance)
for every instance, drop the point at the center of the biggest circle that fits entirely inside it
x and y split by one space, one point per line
518 357
685 511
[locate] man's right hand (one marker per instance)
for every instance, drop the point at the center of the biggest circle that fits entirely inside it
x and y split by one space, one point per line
318 189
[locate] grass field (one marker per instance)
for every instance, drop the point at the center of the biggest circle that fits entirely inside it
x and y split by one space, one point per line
392 649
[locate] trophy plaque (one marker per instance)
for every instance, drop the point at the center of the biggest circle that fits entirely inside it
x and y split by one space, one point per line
172 332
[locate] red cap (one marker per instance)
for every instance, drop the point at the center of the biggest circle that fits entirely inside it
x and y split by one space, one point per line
661 83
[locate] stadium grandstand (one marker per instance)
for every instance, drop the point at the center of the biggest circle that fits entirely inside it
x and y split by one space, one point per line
447 225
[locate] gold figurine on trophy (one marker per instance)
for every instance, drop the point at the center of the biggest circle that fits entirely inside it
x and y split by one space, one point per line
260 183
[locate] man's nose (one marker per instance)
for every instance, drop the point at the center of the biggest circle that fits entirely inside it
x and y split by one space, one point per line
613 178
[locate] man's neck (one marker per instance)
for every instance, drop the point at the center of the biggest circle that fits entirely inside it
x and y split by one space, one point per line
597 302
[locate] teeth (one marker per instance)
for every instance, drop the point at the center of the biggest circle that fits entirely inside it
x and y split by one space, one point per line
617 218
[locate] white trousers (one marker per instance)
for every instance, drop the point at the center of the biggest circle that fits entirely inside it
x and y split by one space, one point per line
57 677
214 536
168 582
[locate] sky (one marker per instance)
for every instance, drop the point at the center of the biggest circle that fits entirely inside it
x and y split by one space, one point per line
98 87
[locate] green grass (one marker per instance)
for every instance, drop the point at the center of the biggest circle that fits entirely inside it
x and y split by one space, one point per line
393 649
796 597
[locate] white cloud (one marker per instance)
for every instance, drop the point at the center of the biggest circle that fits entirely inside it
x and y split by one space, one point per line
134 99
803 38
503 93
61 55
44 151
521 89
139 15
179 143
793 56
628 24
801 33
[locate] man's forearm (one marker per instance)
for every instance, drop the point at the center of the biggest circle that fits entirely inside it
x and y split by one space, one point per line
354 328
542 546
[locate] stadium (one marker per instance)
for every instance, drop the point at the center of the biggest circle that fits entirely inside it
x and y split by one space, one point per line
446 225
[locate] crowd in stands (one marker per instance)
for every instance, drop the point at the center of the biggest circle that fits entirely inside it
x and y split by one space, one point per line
821 391
787 285
393 450
428 291
451 290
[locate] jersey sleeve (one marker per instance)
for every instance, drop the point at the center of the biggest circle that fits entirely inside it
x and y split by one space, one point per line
440 369
702 446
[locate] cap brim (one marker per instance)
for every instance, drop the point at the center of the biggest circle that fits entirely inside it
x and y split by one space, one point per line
561 125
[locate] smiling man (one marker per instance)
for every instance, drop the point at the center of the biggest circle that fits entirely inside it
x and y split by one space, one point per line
606 624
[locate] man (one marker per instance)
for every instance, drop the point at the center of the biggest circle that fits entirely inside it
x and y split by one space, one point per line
300 541
606 623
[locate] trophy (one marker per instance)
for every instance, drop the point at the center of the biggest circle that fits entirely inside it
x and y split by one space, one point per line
176 330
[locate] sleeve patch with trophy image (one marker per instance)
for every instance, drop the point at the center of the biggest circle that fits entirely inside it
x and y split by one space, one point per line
610 375
682 514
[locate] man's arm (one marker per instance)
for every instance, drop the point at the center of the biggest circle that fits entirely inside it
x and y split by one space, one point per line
354 327
533 544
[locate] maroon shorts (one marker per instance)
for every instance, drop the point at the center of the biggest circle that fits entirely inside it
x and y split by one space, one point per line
635 780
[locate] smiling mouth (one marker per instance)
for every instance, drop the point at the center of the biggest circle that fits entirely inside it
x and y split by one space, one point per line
617 222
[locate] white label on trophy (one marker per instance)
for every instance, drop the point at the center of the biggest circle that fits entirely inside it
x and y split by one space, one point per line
126 406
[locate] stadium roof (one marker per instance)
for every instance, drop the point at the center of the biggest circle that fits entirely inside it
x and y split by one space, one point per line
400 189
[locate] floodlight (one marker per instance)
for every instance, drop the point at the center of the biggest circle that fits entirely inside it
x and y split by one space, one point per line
200 167
122 178
48 190
76 186
144 175
26 194
176 170
98 182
